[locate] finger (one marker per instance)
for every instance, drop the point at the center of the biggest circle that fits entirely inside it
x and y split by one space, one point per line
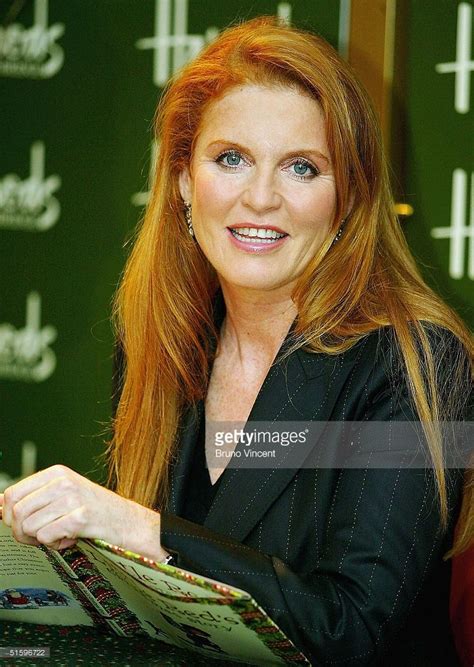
26 508
68 527
14 494
56 498
29 525
64 544
18 491
24 539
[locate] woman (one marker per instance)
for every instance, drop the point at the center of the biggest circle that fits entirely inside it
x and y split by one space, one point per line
270 281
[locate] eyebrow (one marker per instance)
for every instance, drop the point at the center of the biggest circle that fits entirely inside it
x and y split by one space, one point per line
290 154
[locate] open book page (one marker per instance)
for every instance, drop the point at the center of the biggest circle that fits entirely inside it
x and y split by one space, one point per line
32 588
188 611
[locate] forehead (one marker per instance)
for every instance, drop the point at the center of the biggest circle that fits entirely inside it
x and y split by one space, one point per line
267 116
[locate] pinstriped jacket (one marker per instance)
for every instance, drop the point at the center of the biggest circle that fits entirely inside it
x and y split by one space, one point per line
348 562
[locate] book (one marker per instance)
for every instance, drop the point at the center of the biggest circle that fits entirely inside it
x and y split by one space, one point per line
99 584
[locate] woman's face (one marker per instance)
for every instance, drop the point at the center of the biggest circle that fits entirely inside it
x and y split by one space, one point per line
261 165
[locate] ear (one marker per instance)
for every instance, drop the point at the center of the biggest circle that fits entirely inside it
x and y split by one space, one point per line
184 182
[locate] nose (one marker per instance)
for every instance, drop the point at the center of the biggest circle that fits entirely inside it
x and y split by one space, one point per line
260 194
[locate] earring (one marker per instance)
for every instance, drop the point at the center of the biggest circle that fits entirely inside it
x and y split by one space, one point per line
188 216
339 231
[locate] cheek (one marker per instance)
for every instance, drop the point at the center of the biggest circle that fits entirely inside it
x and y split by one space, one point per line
212 193
316 207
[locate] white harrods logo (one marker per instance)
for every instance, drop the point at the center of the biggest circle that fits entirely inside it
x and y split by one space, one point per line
461 230
172 49
25 353
172 45
32 53
463 66
30 204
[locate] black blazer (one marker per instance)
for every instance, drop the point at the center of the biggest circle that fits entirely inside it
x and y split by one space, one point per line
348 562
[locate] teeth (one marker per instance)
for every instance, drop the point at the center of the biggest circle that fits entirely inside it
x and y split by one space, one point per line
269 236
260 233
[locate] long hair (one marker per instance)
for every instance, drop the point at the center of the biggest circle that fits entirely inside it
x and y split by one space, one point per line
163 306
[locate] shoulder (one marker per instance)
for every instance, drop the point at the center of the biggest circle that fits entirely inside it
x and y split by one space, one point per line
382 344
353 378
374 371
450 360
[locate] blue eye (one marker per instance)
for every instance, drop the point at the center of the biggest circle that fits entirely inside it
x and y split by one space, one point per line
230 159
303 169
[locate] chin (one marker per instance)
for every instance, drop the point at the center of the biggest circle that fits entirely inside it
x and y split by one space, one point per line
253 283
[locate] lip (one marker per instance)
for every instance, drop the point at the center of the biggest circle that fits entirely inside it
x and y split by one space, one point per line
255 248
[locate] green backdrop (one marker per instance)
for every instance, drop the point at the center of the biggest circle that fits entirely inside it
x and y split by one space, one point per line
439 149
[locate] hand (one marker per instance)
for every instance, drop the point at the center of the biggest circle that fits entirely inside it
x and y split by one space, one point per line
56 506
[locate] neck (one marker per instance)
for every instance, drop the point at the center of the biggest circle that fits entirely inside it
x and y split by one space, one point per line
255 325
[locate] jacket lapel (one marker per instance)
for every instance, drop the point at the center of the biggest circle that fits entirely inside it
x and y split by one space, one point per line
305 387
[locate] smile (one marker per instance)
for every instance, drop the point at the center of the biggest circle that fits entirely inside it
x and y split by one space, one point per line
254 235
